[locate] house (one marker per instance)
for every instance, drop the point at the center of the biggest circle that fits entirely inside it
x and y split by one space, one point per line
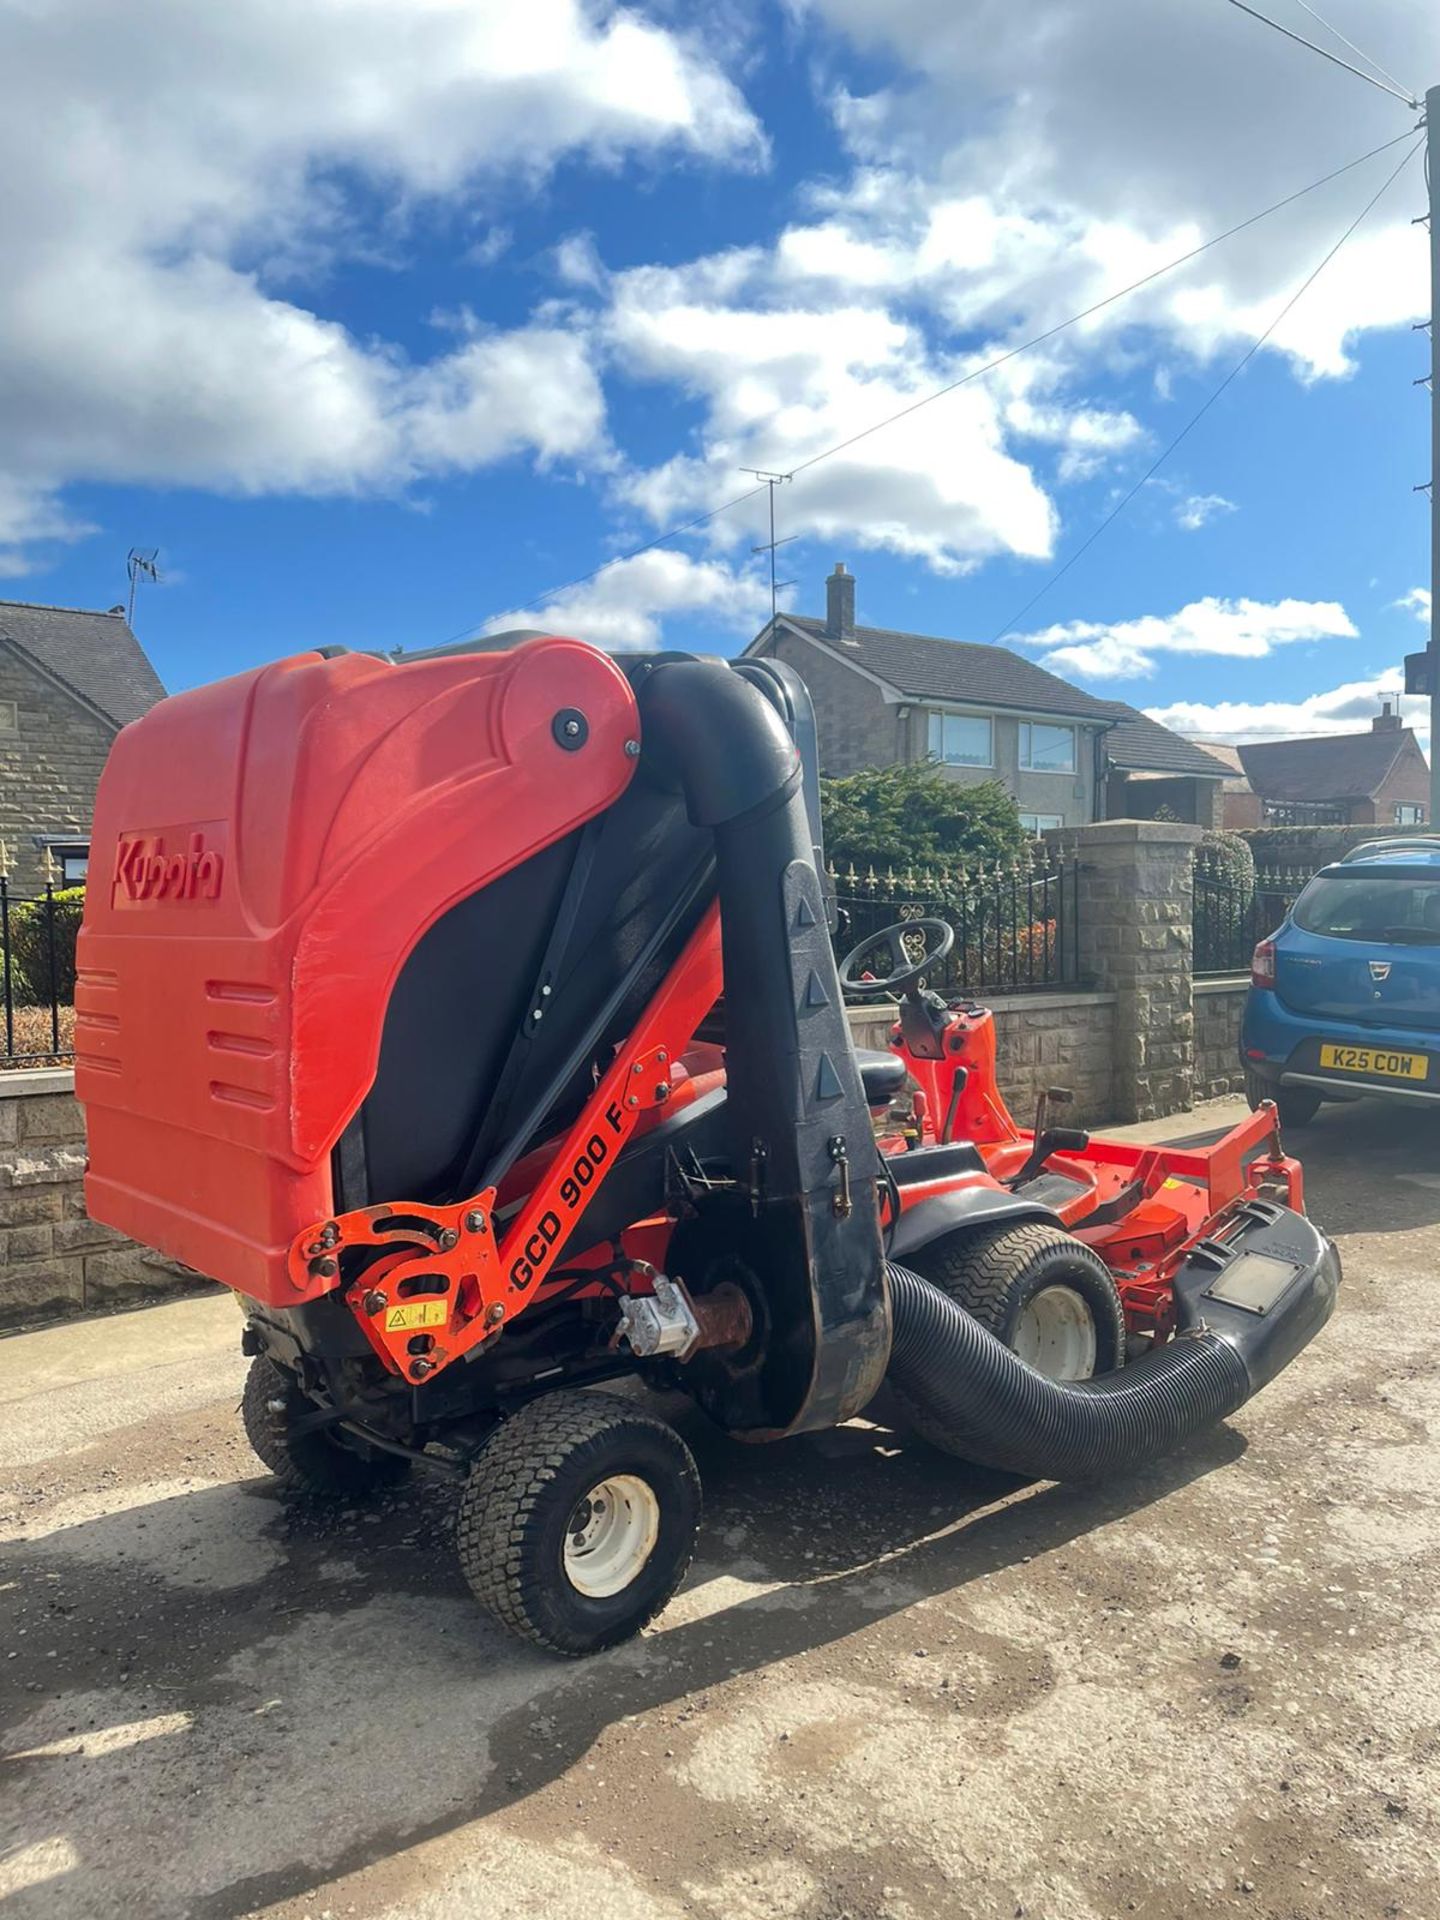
985 713
69 680
1380 778
1240 802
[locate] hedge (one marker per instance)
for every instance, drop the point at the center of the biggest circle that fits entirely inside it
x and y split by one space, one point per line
31 980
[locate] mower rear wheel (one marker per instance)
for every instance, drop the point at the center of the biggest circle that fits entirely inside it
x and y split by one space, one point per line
578 1521
315 1462
1048 1296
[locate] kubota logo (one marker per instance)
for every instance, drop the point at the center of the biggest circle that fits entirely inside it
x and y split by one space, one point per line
168 866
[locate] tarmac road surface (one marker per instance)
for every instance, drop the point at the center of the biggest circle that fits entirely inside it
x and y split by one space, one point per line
892 1686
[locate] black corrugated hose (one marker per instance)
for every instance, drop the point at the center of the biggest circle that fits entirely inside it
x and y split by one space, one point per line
973 1396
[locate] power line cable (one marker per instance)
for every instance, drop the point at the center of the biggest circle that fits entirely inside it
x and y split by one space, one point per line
1011 353
1384 72
953 386
1208 403
1397 92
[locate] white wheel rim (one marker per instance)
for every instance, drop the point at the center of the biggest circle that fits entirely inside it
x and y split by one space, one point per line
610 1536
1056 1335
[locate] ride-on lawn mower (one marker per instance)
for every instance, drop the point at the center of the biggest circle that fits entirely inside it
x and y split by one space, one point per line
475 1018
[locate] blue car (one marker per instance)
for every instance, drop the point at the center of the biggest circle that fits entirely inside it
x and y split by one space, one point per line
1345 998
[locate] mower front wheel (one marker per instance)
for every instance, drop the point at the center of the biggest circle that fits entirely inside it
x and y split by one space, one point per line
1048 1296
315 1462
578 1521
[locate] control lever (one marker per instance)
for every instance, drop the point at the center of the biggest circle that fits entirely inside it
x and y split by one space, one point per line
1049 1139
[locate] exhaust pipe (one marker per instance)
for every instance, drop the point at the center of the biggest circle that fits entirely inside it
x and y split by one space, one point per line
1245 1308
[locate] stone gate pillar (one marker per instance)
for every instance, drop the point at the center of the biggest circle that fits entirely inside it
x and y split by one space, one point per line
1136 905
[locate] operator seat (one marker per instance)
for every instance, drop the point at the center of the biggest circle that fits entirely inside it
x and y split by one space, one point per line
882 1075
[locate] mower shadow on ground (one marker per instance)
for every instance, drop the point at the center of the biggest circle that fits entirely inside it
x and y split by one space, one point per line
345 1701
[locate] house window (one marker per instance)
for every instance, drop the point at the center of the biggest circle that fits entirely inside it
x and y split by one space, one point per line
9 717
70 861
1038 823
961 740
1047 749
1407 815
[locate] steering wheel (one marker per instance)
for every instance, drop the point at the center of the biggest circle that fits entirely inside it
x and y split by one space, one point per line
939 938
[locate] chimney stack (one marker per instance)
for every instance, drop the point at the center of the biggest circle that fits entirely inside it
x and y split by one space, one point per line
1387 720
840 605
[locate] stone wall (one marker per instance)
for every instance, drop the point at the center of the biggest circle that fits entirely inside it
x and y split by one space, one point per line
1042 1040
1219 1005
53 1259
49 769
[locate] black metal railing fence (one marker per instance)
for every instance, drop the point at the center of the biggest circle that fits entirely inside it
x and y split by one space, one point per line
1017 925
1235 909
37 973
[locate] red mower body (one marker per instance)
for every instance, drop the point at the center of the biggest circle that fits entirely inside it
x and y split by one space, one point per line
266 852
476 1019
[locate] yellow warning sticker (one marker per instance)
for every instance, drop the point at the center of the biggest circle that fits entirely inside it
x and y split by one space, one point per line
416 1314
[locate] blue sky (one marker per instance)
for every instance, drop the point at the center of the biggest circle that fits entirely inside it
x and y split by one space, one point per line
380 318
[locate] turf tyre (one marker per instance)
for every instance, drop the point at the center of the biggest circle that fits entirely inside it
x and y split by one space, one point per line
994 1272
518 1513
307 1463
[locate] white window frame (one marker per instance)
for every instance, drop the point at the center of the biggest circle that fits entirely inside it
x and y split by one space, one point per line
935 721
1409 813
62 851
1027 727
9 716
1038 823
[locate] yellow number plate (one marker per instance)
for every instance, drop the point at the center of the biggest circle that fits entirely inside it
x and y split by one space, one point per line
415 1315
1380 1061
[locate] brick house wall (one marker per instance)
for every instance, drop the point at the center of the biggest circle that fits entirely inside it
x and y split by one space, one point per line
1407 785
858 728
50 764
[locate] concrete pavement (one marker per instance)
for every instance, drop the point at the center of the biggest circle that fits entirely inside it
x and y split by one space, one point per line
893 1686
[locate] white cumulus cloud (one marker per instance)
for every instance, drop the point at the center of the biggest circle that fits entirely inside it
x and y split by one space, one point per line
1198 509
1416 601
1344 709
781 381
175 172
634 603
1015 165
1026 159
1233 629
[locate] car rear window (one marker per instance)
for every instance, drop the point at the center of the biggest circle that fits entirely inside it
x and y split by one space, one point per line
1366 907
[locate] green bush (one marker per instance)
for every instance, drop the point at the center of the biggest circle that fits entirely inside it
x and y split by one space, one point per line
32 981
1229 855
915 817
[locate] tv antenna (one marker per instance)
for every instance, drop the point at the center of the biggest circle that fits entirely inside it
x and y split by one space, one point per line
140 565
771 481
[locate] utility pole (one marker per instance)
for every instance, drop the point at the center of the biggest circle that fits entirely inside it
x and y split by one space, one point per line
772 480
